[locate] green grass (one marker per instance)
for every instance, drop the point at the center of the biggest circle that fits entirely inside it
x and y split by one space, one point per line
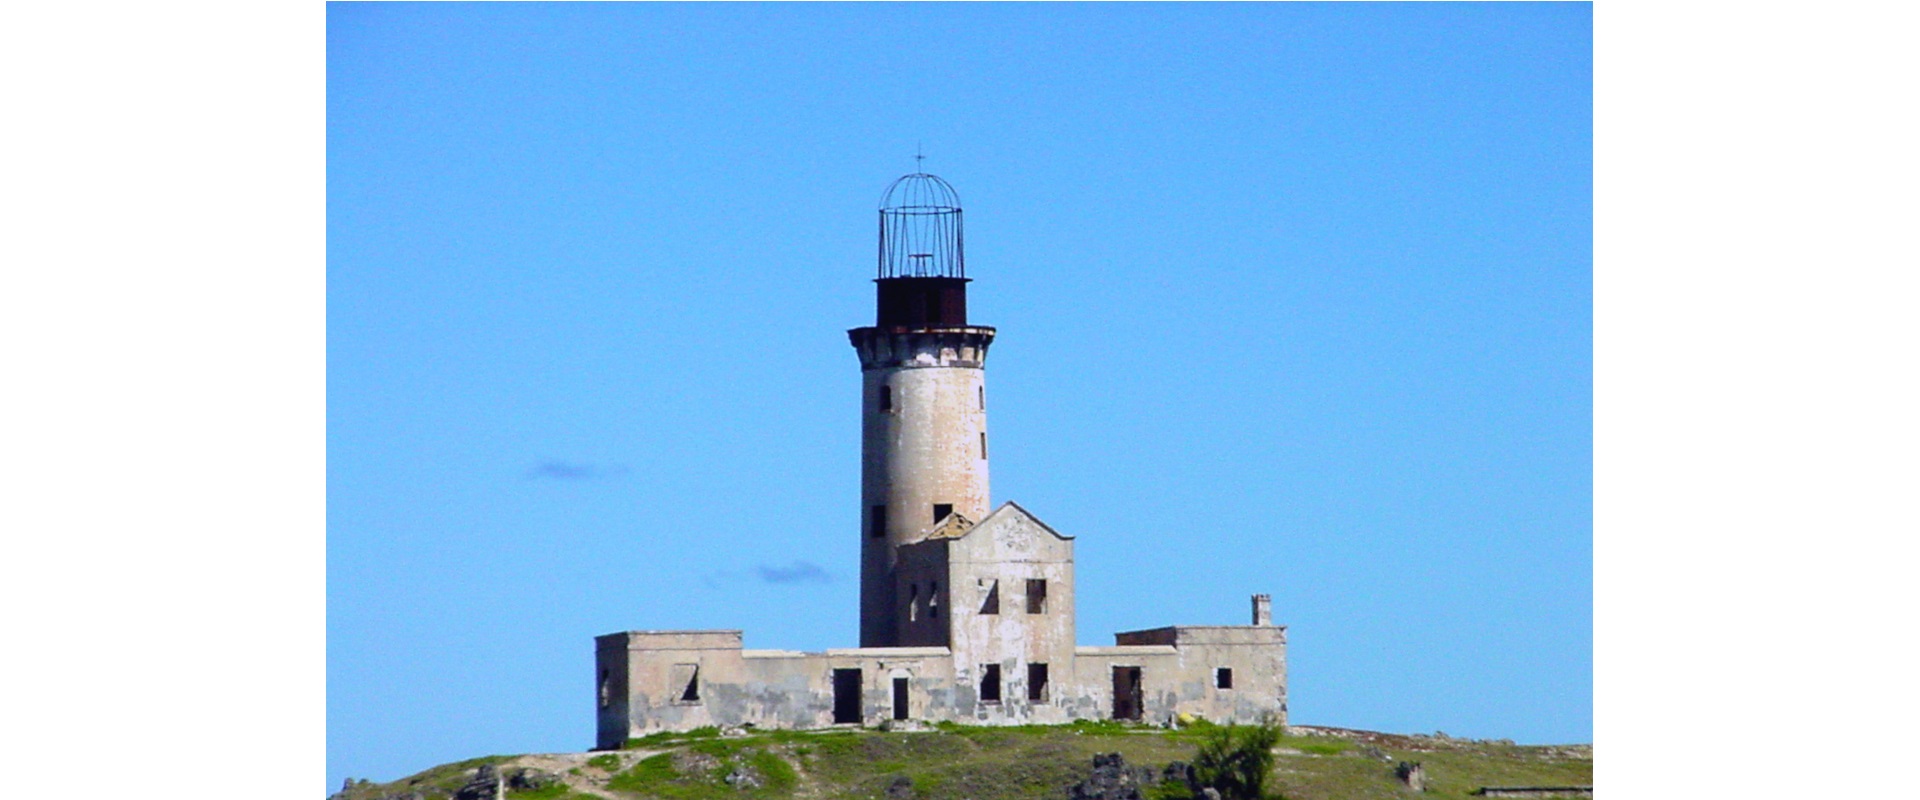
554 792
654 740
964 762
660 776
1317 746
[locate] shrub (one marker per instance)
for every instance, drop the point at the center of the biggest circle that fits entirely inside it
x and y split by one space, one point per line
1236 759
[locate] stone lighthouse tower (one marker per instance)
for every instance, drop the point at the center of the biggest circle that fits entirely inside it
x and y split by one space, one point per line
923 396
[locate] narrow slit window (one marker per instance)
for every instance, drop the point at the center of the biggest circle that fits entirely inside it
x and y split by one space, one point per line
606 694
991 602
1036 595
983 398
940 511
990 683
933 601
877 521
886 398
1223 678
913 604
1036 683
983 444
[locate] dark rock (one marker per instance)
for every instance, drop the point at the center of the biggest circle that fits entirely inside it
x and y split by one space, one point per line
901 788
1180 772
487 784
1111 780
527 779
1412 774
743 778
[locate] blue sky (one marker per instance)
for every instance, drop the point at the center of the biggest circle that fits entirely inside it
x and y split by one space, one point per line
1292 298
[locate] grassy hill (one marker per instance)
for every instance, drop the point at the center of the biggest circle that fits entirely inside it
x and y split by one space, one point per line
953 762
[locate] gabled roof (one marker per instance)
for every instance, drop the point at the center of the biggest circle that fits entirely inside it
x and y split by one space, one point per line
953 526
1018 510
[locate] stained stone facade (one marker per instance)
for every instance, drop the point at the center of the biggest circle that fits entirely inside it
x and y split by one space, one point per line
966 615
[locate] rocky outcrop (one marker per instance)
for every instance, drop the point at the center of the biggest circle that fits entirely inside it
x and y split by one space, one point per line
1112 779
487 784
528 779
1412 774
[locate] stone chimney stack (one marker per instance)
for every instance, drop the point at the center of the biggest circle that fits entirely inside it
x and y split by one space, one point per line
1263 609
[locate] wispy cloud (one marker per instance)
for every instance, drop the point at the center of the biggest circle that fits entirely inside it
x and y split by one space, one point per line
566 471
797 572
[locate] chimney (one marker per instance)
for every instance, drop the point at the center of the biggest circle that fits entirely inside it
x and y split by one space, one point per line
1263 609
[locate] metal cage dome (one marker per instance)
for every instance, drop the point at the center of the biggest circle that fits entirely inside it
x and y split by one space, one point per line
920 230
920 193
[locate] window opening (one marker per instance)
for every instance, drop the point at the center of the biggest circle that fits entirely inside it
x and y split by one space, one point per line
899 698
990 683
933 601
913 603
886 398
1036 683
1223 678
685 683
1036 596
877 521
983 398
983 444
606 696
990 605
846 696
940 511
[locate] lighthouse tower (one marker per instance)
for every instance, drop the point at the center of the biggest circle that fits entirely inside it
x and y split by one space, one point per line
923 395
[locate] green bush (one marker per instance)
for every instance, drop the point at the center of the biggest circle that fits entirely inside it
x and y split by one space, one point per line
1236 759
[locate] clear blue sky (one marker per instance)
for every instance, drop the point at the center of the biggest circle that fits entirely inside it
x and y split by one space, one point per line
1292 298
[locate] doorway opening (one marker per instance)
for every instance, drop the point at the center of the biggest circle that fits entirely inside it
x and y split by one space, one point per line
1128 699
846 696
899 698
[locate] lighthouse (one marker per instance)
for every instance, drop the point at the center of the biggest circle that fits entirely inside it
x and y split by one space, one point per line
924 445
966 609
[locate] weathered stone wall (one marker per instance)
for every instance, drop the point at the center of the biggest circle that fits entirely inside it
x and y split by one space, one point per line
1002 555
1255 656
923 429
763 688
676 680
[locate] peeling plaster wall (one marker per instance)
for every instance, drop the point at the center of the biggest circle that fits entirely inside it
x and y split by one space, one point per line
1257 655
788 689
763 688
1007 549
921 447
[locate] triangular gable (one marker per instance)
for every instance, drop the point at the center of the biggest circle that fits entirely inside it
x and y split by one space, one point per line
1013 509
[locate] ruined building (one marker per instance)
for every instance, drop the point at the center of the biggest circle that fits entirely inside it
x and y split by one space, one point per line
966 613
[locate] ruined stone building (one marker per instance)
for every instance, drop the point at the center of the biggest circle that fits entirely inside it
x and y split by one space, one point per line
966 612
